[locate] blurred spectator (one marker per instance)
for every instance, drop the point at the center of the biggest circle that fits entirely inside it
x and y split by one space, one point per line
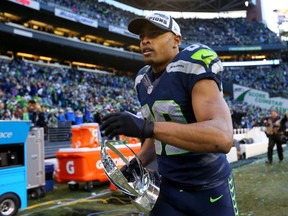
61 115
88 113
53 119
6 115
237 118
274 136
2 108
78 117
70 115
16 115
36 115
25 114
97 116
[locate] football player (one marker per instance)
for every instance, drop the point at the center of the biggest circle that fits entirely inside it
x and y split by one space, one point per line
186 122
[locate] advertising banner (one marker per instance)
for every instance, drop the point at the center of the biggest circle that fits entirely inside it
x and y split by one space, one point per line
259 98
76 18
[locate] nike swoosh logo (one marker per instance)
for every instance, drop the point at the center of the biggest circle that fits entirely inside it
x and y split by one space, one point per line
207 56
212 200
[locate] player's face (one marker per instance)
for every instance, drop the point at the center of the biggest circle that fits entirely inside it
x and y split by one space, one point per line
157 46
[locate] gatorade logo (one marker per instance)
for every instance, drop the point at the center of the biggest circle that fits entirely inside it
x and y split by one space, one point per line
6 135
70 167
94 133
117 161
77 144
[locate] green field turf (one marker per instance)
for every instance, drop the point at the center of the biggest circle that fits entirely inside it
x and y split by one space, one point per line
262 190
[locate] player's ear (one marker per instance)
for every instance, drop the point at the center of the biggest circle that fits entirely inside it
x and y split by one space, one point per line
177 41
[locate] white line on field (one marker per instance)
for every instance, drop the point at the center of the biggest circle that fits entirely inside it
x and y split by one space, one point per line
78 200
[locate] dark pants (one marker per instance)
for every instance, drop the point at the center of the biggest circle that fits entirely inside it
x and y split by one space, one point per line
219 201
274 139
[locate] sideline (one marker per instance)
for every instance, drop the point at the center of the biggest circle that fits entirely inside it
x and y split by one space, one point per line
80 200
66 203
244 162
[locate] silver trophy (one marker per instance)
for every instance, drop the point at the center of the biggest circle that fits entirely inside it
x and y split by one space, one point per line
144 190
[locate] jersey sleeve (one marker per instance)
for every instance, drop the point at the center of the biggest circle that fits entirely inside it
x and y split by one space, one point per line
197 62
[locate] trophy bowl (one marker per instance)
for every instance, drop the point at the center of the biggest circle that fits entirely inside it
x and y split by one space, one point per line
143 190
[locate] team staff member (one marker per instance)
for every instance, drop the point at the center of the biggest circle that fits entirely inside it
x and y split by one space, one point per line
274 136
187 125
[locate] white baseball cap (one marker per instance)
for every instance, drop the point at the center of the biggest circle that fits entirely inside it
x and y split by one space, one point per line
159 19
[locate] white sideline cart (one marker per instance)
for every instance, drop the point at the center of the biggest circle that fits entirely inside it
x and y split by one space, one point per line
35 163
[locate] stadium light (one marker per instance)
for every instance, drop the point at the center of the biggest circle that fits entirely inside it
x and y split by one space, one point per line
252 63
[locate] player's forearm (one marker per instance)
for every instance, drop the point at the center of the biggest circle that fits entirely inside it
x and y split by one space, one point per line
147 152
204 136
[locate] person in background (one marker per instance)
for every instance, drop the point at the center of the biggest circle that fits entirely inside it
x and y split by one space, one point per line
16 114
79 119
52 118
61 115
274 136
2 108
97 116
6 115
284 126
36 115
70 115
25 114
187 124
88 114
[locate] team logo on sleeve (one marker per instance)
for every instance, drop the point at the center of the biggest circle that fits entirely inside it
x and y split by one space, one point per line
205 55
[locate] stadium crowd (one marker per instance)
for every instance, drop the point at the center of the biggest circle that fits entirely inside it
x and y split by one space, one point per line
77 96
273 80
84 97
213 32
60 89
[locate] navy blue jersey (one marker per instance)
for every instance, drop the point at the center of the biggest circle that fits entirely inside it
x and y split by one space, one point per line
168 98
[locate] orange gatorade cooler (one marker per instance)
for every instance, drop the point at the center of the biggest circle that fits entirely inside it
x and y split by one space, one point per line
76 136
129 140
84 164
90 135
133 140
79 164
112 187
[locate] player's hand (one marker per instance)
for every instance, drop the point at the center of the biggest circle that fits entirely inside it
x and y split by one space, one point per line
127 124
155 177
128 170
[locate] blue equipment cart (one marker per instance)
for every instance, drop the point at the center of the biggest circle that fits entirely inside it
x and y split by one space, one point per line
13 166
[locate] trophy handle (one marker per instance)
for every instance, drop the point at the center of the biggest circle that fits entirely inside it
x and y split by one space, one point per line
115 175
144 189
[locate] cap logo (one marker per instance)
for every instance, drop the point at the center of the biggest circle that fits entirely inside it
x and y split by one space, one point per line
163 20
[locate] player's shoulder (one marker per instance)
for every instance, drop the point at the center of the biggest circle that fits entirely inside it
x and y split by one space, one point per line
196 58
198 51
